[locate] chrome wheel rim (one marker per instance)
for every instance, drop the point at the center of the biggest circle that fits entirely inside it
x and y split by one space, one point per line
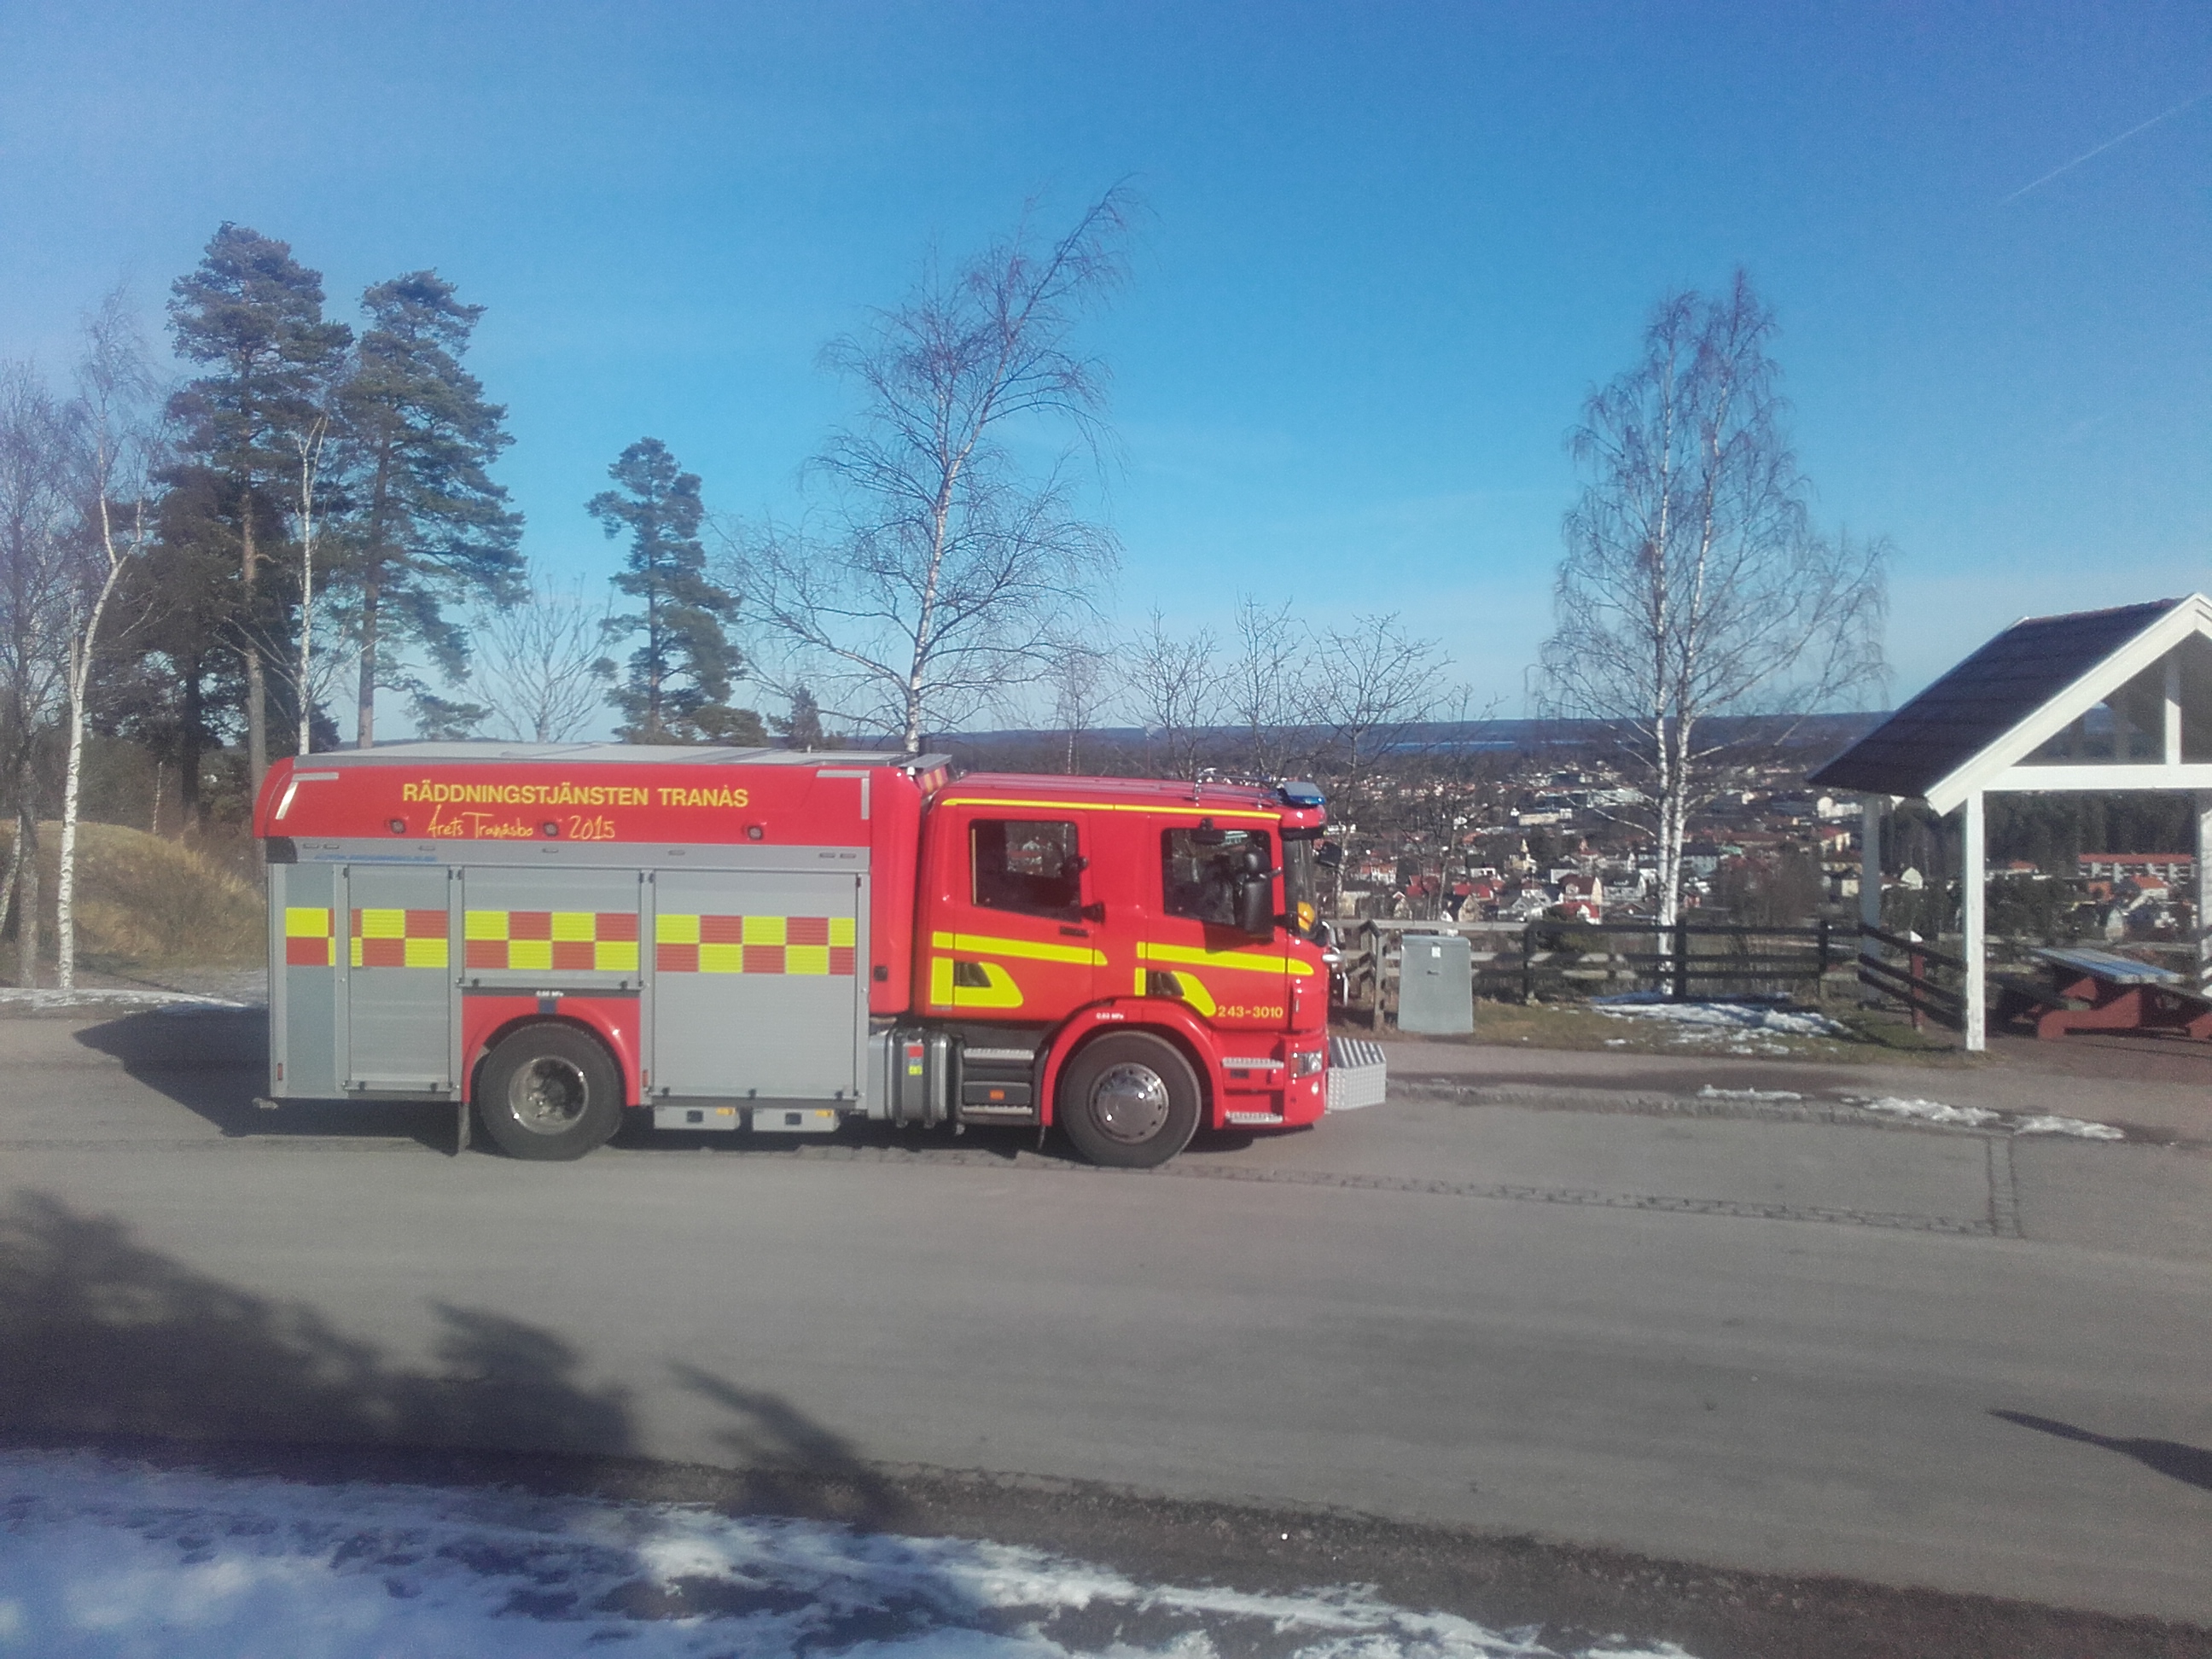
1130 1104
548 1095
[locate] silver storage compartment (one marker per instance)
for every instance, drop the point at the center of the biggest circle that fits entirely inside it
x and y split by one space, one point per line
1358 1075
759 991
395 941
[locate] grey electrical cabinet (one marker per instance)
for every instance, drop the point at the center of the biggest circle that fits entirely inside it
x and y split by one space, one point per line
1436 984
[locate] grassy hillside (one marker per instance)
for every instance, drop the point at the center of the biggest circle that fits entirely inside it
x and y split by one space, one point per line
143 901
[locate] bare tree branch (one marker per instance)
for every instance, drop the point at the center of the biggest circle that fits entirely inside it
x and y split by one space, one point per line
534 659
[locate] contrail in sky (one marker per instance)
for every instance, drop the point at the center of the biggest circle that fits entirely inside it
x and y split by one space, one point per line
2106 145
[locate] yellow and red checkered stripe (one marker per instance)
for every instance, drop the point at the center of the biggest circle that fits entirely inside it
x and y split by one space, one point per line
753 945
598 941
399 938
309 939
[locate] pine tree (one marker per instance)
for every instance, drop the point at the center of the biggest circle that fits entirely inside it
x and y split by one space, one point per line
432 528
675 686
254 314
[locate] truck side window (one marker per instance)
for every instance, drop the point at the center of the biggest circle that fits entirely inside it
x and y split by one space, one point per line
1028 865
1200 869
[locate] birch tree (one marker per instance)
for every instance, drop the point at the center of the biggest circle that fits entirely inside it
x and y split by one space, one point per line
1080 679
953 567
115 383
41 451
1693 587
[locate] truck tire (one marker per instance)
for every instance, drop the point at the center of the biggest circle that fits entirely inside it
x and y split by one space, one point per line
549 1093
1129 1101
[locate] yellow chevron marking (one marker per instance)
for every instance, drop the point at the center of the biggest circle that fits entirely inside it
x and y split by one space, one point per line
1025 949
1002 991
1246 961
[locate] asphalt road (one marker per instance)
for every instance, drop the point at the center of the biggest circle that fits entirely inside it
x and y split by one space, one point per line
1907 1355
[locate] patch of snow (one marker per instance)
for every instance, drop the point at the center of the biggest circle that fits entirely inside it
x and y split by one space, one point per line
1929 1111
2053 1125
168 1002
104 1557
1708 1092
1720 1020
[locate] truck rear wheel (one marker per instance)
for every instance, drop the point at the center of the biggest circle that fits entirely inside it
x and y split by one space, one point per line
549 1093
1129 1101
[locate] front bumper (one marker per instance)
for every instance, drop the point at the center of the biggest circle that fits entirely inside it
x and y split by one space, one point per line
1357 1074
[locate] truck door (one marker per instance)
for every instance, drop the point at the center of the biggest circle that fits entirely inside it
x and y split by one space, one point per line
399 977
1192 948
1009 933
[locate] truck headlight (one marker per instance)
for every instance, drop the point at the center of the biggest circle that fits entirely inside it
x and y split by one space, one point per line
1306 1064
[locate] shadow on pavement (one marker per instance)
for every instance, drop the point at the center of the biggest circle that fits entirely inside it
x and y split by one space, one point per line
103 1340
214 1063
2190 1465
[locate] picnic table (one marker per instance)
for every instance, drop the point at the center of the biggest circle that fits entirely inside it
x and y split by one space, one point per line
2088 990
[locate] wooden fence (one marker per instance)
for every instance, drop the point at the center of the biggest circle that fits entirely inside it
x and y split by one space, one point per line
1526 960
1523 960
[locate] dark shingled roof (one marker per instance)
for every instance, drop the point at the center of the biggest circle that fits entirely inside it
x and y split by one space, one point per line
1983 698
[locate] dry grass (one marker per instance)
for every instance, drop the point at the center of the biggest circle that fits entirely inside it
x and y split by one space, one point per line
146 903
1872 1035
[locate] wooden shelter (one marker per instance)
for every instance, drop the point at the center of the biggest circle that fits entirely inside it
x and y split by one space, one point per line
2096 702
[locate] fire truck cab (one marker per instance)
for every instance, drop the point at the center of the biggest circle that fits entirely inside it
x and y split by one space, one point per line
551 936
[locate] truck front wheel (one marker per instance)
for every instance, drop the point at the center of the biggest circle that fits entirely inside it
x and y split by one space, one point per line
549 1093
1129 1101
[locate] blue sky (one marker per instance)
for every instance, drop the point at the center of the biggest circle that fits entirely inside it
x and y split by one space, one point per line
1390 249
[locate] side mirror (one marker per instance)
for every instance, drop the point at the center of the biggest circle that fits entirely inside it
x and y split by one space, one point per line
1255 907
1329 854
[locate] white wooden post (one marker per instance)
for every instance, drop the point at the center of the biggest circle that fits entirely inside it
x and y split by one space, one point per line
1870 859
1971 885
2170 731
2203 803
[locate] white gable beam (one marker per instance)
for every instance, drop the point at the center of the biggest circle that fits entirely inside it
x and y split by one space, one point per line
2096 777
2192 615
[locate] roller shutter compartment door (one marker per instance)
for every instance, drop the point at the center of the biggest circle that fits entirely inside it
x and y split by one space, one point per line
757 988
575 930
396 942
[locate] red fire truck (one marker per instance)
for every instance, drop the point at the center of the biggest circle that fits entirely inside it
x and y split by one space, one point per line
773 940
